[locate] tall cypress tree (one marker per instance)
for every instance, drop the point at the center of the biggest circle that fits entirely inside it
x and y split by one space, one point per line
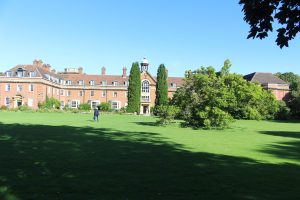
161 86
134 89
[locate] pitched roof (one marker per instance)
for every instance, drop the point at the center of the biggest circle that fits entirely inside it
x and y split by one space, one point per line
263 78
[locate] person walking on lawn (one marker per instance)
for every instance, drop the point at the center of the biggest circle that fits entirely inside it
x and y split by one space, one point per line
96 114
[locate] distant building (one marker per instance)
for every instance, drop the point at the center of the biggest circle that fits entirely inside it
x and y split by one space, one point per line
31 84
270 82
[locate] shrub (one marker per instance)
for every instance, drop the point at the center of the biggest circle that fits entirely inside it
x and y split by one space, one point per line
216 118
104 106
166 114
84 106
3 108
284 112
23 108
50 103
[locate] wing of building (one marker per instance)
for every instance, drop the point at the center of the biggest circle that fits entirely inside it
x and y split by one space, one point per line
270 82
31 84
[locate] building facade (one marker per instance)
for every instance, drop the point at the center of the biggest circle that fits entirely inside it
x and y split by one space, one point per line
31 84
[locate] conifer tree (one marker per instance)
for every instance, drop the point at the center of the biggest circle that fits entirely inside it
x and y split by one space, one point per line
161 86
134 89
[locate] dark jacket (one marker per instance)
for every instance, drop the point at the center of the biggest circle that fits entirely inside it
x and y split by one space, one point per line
96 112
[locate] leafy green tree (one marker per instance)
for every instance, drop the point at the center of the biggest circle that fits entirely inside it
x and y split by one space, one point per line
161 86
213 100
103 106
166 114
134 89
84 106
260 16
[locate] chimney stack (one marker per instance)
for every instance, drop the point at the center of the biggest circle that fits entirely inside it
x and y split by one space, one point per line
124 72
80 70
38 62
103 71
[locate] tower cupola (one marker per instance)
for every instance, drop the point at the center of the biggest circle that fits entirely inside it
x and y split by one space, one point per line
144 65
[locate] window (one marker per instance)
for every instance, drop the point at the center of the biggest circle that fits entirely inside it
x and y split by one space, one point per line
62 82
145 86
62 92
62 104
30 102
75 103
68 93
145 98
104 83
94 104
68 82
115 83
19 88
20 72
103 93
173 85
8 74
32 74
92 82
126 83
80 82
115 94
92 93
115 105
7 87
30 88
7 101
80 93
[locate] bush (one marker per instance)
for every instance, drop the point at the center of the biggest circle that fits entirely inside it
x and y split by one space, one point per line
23 108
284 112
50 103
216 118
85 107
166 114
3 108
104 106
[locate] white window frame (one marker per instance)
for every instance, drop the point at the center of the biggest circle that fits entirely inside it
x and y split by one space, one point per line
7 103
32 74
7 87
103 83
77 103
118 105
92 82
68 82
19 88
81 82
145 86
92 93
30 102
8 74
69 93
115 83
62 92
104 93
30 88
115 94
97 102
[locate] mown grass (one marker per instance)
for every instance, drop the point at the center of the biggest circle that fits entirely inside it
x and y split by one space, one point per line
68 156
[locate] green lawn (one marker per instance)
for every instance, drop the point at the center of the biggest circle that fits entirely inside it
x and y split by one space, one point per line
49 156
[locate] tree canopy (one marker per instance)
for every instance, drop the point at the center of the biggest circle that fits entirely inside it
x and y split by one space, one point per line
161 86
261 14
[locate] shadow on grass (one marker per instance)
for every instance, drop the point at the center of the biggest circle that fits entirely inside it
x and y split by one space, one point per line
65 162
290 134
146 123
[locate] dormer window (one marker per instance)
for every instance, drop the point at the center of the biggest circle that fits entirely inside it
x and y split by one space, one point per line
68 82
115 83
92 82
80 82
32 74
173 85
20 72
126 83
61 81
104 83
8 74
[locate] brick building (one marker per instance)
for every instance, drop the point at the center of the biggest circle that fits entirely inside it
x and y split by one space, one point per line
31 84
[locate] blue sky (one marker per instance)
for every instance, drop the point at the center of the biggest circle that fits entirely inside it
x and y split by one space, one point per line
182 34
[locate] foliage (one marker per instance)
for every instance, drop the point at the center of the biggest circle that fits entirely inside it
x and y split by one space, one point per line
208 97
261 14
294 97
161 86
104 106
3 108
284 112
134 89
84 106
50 103
24 108
166 113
